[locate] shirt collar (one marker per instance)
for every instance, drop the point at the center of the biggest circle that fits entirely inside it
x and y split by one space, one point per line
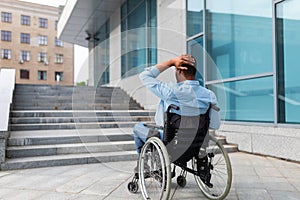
189 82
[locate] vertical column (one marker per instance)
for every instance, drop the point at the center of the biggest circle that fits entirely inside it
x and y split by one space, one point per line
91 81
115 48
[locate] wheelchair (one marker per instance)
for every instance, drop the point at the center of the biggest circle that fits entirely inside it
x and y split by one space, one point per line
192 149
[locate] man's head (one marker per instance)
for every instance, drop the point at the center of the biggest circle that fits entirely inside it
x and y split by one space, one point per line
189 71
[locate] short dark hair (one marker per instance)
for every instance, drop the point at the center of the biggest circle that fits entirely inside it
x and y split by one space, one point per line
190 72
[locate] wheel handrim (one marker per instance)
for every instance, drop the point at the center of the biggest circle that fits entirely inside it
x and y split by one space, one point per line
221 174
152 183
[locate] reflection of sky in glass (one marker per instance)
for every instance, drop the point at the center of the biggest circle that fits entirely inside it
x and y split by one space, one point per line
240 7
290 8
195 5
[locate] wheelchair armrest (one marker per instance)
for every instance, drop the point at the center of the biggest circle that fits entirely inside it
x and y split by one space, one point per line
172 106
153 126
215 107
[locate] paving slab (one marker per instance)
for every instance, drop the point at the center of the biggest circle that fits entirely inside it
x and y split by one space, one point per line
254 177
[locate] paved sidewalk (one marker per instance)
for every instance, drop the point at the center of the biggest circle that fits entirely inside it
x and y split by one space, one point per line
254 177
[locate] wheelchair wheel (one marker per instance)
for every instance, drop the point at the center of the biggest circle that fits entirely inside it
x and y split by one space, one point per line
215 180
154 170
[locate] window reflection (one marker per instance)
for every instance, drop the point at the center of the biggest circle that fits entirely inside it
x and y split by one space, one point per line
239 37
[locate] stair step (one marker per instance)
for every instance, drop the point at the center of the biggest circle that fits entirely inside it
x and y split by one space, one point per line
36 120
80 113
69 136
230 148
56 126
69 159
61 149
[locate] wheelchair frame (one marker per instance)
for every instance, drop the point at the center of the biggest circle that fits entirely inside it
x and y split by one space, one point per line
155 179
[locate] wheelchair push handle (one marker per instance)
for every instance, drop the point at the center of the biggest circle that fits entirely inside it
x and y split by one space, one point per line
172 106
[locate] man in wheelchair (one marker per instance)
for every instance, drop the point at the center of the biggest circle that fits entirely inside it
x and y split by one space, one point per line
184 98
184 115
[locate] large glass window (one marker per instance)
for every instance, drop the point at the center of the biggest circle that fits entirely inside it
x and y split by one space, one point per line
138 26
247 100
194 17
195 48
288 70
102 55
239 37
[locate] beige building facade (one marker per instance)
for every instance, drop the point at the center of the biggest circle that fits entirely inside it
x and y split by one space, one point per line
30 45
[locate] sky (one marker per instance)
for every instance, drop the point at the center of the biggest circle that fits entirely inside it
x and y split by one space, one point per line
80 53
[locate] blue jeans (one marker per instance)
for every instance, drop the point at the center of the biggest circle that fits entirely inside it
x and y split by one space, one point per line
140 135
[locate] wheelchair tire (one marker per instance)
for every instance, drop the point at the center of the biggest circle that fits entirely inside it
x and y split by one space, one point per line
220 173
154 170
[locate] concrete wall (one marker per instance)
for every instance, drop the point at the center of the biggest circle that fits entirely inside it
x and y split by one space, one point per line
171 41
282 142
7 85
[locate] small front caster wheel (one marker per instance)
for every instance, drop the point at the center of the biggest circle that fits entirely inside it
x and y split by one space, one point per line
133 187
181 181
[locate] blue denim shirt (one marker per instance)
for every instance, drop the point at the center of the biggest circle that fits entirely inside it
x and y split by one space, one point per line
189 95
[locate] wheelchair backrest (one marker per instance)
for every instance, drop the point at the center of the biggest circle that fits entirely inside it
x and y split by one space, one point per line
184 135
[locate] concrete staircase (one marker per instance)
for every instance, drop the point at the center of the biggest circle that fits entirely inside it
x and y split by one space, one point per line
60 125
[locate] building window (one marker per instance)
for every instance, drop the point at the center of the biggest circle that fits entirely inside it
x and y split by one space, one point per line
58 76
43 23
287 54
6 17
6 54
25 20
58 42
42 75
101 52
24 74
24 56
194 17
43 40
138 37
59 58
42 57
6 36
25 38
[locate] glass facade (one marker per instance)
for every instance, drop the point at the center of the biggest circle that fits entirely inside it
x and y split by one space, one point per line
287 43
236 48
101 73
138 37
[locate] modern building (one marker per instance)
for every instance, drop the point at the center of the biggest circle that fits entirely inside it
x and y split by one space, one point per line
246 51
30 45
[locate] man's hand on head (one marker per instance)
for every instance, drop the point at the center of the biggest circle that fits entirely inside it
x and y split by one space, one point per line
178 62
182 60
